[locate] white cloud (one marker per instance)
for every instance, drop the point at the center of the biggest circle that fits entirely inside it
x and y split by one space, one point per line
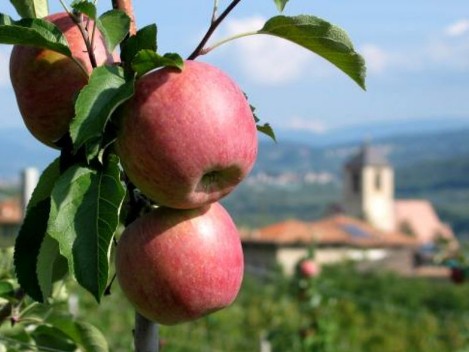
457 28
308 124
451 48
273 61
377 60
380 60
267 60
450 55
438 53
236 26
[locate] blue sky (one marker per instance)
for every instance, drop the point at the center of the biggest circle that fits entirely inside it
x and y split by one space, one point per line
417 55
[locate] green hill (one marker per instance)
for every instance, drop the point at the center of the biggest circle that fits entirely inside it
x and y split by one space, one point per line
431 166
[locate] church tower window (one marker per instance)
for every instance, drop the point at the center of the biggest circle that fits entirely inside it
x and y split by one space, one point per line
356 182
378 182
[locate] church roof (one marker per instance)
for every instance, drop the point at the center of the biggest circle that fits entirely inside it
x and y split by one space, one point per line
334 230
10 212
367 156
420 218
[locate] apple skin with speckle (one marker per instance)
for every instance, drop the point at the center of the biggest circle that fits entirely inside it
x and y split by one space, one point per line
178 265
46 83
187 138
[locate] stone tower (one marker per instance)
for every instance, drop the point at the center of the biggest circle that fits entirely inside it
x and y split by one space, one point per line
368 188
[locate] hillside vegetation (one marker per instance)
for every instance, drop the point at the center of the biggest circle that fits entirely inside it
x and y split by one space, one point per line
341 311
433 166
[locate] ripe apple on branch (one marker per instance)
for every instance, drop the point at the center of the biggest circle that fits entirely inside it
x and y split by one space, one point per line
46 82
178 265
187 137
309 268
149 141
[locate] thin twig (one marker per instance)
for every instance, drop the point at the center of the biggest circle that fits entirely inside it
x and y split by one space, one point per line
84 33
215 10
93 32
213 26
226 40
66 9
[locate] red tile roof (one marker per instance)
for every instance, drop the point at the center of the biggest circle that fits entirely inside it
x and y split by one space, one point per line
421 218
10 212
333 230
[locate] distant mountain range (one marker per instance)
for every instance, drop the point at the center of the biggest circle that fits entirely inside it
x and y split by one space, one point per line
403 150
372 131
405 142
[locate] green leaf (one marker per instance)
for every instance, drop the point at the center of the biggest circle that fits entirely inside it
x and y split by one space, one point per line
147 60
83 219
50 338
267 130
46 183
90 338
84 334
106 90
50 265
322 38
114 25
85 7
28 246
32 233
15 337
145 38
31 8
34 32
280 4
6 289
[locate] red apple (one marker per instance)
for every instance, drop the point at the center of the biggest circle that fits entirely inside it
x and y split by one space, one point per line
309 268
457 275
178 265
187 137
46 83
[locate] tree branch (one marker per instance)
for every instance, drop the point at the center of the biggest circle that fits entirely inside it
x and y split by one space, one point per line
213 26
146 337
127 7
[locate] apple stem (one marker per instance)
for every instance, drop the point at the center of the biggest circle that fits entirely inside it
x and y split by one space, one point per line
213 26
226 40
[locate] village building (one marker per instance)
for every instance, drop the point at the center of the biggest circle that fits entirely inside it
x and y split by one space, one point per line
372 227
11 209
11 216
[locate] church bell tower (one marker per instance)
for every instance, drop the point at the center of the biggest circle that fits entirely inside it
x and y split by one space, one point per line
368 188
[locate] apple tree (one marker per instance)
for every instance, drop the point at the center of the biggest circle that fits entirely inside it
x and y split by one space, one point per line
148 143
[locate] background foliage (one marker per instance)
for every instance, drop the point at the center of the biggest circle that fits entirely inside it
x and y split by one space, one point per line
342 310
